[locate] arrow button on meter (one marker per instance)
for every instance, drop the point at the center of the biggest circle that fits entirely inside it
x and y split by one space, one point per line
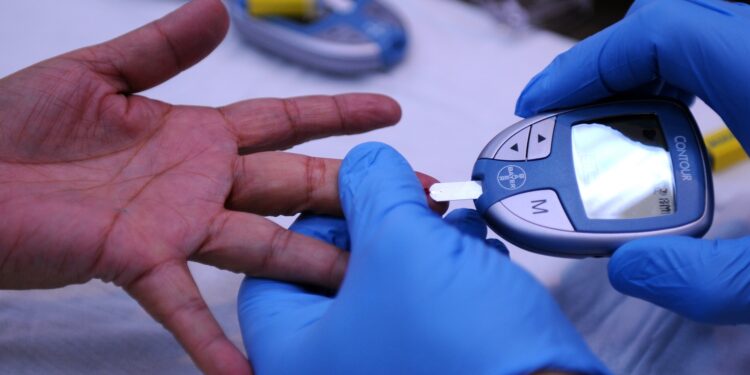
540 143
514 149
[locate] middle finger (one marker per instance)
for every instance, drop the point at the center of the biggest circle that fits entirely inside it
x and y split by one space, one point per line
281 183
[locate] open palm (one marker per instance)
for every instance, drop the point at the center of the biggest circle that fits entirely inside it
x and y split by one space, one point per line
96 182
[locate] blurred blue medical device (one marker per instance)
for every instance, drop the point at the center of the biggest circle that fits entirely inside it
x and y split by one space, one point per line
582 182
341 36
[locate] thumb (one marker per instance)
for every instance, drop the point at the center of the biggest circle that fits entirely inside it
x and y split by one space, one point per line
611 61
273 314
160 50
660 48
707 281
380 191
274 317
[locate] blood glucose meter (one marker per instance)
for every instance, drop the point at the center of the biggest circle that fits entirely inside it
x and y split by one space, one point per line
344 37
581 182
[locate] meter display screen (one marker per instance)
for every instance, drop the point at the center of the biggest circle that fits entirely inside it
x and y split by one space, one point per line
623 168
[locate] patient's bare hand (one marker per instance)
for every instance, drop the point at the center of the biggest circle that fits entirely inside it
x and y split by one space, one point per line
96 182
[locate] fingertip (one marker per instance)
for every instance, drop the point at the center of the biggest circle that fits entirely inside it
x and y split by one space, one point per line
204 24
700 279
392 109
355 165
368 111
168 292
522 109
627 264
363 156
375 162
528 103
633 266
375 180
222 357
152 54
438 207
426 180
220 13
620 265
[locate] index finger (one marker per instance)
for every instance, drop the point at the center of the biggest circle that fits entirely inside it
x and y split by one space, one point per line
282 183
378 187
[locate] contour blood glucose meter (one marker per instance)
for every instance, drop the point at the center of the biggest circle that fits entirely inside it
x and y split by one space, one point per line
344 37
582 182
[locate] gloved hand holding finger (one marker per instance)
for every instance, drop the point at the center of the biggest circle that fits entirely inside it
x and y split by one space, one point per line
422 295
99 182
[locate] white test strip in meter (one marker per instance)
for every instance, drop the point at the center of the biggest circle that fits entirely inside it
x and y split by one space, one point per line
455 191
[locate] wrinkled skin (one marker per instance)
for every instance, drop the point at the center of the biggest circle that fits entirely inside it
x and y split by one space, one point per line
97 182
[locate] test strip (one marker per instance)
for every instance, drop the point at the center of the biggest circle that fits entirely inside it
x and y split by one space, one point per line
455 191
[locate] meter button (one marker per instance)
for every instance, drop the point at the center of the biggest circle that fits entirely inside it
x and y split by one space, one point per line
541 207
514 149
540 141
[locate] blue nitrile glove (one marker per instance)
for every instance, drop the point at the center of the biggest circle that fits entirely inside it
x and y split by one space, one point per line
422 295
676 48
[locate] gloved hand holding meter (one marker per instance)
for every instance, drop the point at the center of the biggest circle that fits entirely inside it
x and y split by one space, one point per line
677 49
640 167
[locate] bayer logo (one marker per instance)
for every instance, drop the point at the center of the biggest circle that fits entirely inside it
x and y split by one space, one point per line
511 177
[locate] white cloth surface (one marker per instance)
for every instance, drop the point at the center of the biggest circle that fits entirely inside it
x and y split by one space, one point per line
635 337
458 88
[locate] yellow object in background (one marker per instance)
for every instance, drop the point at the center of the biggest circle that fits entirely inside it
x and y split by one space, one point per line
724 150
282 8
